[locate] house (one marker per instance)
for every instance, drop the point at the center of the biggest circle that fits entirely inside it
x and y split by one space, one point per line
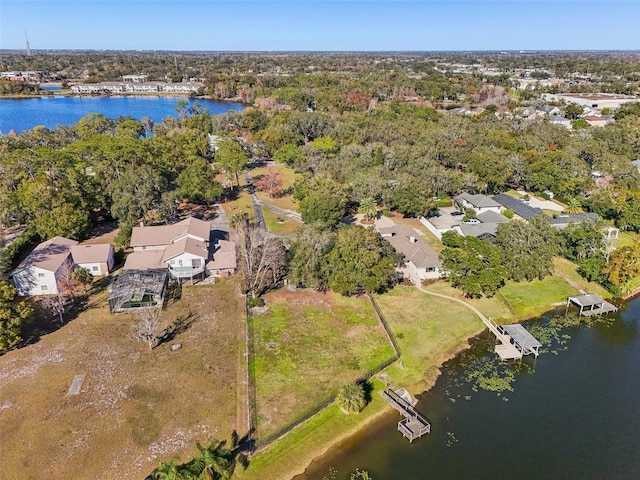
98 259
484 226
560 121
564 220
43 271
597 120
183 248
518 207
224 260
478 203
550 110
421 259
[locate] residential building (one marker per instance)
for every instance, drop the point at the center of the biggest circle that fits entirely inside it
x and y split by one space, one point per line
519 207
592 100
422 260
479 203
98 259
484 226
43 271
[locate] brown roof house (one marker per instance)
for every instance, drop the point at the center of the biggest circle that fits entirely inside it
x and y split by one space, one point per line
42 271
420 258
98 259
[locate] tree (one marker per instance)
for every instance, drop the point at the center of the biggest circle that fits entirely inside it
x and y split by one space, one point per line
147 328
270 182
322 200
369 207
351 398
573 111
475 266
135 193
262 256
56 304
361 261
83 276
14 315
288 154
623 266
528 247
307 258
198 183
231 157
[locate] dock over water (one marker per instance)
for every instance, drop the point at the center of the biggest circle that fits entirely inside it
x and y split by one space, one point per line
591 304
413 425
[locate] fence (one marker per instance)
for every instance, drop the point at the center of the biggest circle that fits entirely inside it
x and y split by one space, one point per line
258 443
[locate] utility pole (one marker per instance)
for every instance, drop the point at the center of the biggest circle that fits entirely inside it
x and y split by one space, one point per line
28 47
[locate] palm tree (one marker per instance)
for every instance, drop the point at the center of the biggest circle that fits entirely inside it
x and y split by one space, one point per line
217 461
167 471
369 207
573 206
351 398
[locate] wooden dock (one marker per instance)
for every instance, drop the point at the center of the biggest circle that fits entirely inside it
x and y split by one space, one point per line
414 425
591 304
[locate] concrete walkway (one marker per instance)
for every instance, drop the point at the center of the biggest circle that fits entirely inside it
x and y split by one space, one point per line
484 319
257 211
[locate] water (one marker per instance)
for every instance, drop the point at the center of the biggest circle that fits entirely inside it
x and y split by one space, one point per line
25 113
572 415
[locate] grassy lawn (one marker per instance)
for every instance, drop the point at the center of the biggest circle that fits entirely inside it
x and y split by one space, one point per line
428 329
493 307
286 174
242 204
530 299
626 239
279 224
568 269
136 407
319 341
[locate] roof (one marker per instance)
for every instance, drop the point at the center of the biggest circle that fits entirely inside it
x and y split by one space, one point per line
186 245
417 251
167 234
479 230
587 300
91 253
519 208
145 260
492 217
480 201
224 256
521 336
558 118
49 255
570 218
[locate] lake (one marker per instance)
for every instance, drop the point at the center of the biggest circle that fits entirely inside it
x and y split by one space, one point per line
573 413
22 114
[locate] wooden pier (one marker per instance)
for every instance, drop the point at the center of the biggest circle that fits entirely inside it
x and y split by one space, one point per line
515 340
413 425
591 304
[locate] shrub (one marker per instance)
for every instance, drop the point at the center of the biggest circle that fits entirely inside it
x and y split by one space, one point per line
508 213
255 302
351 398
443 202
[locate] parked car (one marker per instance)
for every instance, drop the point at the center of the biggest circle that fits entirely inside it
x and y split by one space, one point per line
456 214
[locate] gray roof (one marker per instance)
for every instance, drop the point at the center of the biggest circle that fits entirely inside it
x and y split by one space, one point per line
521 336
480 201
587 300
570 218
417 251
492 217
479 230
519 208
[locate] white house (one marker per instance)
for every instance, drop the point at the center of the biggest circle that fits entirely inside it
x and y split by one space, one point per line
98 259
42 272
478 203
422 260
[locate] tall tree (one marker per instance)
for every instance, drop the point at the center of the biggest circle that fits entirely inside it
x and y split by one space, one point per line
14 315
360 261
198 183
322 200
231 157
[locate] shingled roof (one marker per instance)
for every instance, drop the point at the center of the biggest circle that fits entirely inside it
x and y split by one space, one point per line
519 208
415 250
49 255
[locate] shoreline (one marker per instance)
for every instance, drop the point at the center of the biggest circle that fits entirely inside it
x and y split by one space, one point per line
67 93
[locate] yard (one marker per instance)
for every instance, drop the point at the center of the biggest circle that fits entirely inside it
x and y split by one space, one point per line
308 345
279 224
531 299
136 407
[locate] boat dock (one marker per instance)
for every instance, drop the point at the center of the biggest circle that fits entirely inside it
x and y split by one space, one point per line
515 340
591 304
413 425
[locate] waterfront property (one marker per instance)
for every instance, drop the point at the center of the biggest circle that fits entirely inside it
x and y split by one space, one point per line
422 260
591 304
413 425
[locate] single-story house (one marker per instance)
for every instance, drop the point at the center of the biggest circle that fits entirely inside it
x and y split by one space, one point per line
560 121
485 225
479 203
98 259
42 272
224 260
421 259
518 207
563 221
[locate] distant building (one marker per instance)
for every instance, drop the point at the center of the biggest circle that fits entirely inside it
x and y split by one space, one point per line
135 78
592 100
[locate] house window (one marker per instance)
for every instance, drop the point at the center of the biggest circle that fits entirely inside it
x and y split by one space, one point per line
94 268
430 269
44 287
41 275
196 262
180 262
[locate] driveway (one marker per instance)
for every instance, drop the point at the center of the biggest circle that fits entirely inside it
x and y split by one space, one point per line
543 204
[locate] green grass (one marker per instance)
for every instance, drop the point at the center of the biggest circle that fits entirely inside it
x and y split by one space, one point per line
493 307
530 299
279 224
568 269
242 204
428 329
321 341
626 239
290 455
286 174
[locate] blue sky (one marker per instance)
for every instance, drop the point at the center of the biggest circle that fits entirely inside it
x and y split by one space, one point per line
264 25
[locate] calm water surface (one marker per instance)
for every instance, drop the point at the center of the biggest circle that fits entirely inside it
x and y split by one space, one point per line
574 414
25 113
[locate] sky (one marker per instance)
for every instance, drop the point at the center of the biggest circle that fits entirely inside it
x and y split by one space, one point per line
305 25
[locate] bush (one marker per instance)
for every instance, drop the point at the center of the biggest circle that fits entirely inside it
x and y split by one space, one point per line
387 213
443 202
255 302
351 398
508 213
